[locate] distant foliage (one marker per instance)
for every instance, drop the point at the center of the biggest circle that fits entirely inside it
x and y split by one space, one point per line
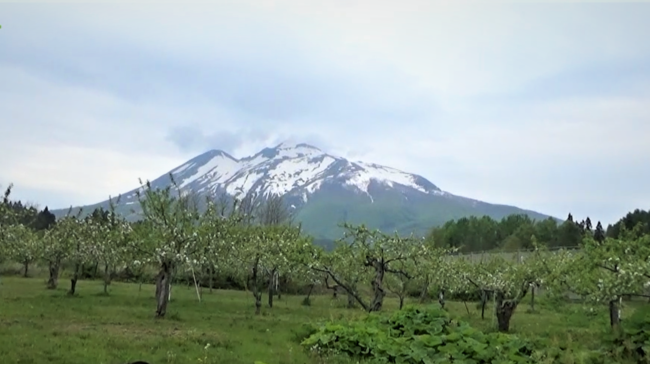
514 232
637 221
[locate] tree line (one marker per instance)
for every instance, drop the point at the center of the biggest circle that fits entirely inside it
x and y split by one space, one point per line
517 232
466 235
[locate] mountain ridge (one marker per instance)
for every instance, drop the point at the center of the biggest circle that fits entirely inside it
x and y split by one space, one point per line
322 190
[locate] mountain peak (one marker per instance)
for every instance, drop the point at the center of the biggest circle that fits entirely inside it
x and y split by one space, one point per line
213 153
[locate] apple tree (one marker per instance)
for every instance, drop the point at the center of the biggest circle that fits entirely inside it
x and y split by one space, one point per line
109 235
604 272
24 245
508 281
263 250
168 236
373 253
7 219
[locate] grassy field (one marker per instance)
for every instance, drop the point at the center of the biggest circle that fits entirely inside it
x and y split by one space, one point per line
41 326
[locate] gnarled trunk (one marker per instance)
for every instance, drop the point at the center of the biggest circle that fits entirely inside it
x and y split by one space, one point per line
53 279
74 279
614 314
307 300
334 288
257 293
163 289
441 298
504 311
270 294
484 300
378 300
311 289
349 289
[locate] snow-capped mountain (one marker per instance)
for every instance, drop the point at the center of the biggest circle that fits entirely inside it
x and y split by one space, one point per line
292 171
298 170
324 189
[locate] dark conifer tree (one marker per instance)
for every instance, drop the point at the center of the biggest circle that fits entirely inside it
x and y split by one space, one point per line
599 235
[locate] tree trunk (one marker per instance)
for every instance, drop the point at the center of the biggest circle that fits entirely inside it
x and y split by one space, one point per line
378 300
73 285
74 279
311 289
425 292
307 300
271 287
504 311
532 299
350 291
483 303
614 314
351 301
210 279
26 268
107 278
163 289
270 296
257 293
95 270
401 302
334 288
441 298
53 280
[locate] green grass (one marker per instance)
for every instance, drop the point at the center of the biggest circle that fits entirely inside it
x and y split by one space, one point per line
45 326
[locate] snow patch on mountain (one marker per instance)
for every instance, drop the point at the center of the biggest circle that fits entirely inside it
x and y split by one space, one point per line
300 170
361 178
218 169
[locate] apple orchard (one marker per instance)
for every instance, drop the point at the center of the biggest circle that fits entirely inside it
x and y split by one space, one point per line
179 235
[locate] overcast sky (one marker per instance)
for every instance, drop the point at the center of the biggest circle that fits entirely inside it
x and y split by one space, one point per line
545 106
